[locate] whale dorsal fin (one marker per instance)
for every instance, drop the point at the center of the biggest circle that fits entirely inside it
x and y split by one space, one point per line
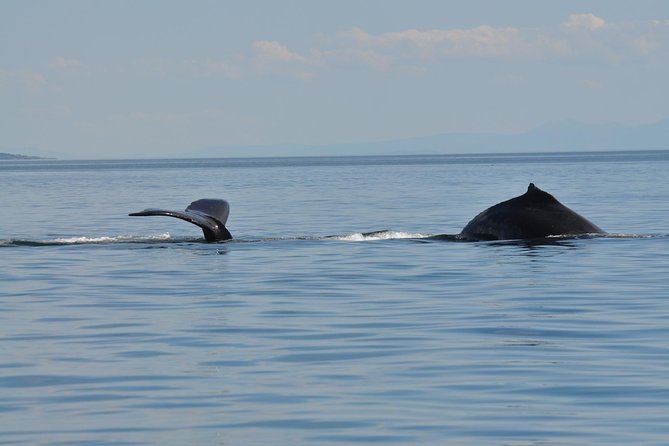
537 195
535 214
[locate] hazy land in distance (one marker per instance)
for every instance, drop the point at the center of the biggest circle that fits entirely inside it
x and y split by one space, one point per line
559 136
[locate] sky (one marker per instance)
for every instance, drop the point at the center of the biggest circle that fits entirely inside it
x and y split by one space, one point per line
162 78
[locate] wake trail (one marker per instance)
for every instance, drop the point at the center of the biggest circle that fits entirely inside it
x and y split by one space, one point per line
166 238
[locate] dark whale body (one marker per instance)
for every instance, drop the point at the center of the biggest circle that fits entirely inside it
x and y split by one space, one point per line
209 214
535 214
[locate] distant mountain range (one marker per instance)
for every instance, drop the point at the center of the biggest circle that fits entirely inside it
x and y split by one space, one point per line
557 136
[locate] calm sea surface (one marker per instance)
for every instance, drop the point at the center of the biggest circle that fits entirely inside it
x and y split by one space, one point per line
117 330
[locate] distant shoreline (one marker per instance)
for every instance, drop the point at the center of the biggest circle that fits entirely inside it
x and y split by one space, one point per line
268 161
17 157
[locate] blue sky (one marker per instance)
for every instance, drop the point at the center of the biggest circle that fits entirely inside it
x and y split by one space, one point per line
121 79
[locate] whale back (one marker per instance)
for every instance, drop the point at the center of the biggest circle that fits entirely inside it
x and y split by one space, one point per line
535 214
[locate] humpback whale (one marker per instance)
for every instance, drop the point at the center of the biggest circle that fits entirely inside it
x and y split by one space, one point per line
207 213
535 214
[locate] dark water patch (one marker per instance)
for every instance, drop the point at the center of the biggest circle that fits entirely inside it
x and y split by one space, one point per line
325 357
242 330
95 442
84 398
276 398
105 430
599 394
14 365
111 326
185 404
227 363
331 336
363 439
143 354
26 381
537 333
10 408
299 424
59 319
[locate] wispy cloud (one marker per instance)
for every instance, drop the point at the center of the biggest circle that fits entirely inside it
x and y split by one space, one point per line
72 65
583 21
479 41
266 58
273 51
272 57
33 81
218 67
585 37
352 56
27 80
579 35
64 63
178 118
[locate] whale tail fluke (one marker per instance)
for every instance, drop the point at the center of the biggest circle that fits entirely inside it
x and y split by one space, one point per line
209 214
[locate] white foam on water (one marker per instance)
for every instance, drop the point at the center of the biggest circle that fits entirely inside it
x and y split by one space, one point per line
110 239
381 235
622 235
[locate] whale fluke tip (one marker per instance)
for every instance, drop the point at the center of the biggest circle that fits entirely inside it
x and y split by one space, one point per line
208 214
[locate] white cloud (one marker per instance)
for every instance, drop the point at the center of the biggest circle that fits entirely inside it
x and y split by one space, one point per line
660 23
272 57
28 80
651 37
589 22
368 57
582 35
275 51
482 40
64 63
644 45
75 66
267 57
585 36
33 81
178 118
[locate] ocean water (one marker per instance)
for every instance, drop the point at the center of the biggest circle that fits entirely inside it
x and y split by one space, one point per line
306 330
